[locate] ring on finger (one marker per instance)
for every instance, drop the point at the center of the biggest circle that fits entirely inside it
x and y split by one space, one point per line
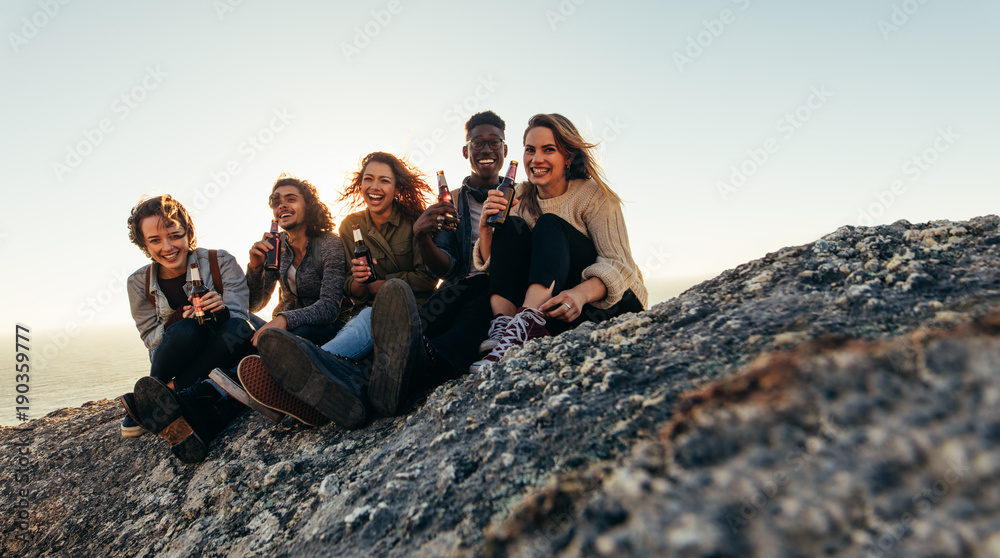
440 218
568 307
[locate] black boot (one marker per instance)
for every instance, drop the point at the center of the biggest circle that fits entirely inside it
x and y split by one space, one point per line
331 385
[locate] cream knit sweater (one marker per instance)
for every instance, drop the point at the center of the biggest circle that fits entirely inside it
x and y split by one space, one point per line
585 206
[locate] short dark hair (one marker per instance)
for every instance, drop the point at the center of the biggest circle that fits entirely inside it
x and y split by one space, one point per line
166 208
318 218
485 117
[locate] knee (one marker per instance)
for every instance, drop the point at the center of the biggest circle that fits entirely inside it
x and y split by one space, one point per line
237 327
550 222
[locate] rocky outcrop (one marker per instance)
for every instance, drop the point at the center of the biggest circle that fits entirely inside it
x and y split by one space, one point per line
837 398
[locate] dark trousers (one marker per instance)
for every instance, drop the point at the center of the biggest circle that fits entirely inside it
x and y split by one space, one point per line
552 254
188 352
455 319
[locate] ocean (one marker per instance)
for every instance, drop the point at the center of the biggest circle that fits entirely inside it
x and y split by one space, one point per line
98 362
103 362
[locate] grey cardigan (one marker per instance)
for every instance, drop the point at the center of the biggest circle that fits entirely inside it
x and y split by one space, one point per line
319 294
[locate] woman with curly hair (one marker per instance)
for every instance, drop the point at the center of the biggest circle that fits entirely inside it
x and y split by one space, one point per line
562 257
316 384
311 267
175 401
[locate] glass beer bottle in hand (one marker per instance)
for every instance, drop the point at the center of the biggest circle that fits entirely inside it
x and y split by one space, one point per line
507 188
272 258
198 290
361 252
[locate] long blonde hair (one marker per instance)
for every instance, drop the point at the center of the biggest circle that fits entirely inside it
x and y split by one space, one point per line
582 160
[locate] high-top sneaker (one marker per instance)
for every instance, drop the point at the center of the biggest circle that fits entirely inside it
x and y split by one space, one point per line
497 326
527 324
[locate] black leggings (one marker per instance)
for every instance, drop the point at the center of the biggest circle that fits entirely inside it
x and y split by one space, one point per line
188 352
553 253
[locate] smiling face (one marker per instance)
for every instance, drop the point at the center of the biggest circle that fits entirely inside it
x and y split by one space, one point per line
167 244
289 207
543 161
378 188
486 161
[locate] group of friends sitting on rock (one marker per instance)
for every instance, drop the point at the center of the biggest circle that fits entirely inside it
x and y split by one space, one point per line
450 294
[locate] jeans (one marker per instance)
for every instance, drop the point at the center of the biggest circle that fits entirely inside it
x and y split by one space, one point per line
354 340
187 352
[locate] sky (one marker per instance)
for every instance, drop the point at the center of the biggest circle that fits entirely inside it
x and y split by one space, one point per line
730 128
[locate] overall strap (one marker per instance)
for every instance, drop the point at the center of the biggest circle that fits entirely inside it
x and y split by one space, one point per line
149 295
213 262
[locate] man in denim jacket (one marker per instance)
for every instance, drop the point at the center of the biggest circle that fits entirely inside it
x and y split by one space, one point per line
457 317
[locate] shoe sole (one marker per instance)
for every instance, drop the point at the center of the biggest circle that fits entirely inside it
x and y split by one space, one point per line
160 412
265 391
395 336
236 391
294 372
486 346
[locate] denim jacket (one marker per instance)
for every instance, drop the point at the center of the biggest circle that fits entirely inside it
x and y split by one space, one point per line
149 318
458 244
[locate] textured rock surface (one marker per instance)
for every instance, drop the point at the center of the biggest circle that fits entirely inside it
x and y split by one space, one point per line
827 399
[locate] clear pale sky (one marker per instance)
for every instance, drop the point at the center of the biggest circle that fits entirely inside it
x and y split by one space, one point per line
731 127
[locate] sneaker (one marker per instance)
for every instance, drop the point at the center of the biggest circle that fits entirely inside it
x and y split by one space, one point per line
328 384
268 394
398 346
159 411
526 325
497 327
130 427
236 391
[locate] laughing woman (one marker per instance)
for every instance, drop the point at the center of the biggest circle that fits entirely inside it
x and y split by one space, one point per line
314 384
182 350
563 255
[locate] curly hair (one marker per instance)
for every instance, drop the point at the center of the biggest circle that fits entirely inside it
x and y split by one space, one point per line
583 162
412 191
166 208
318 217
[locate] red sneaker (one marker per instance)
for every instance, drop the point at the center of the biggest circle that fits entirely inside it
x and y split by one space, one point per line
527 324
267 392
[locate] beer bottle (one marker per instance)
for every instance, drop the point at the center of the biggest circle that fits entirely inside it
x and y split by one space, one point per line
444 194
198 290
507 187
361 252
272 258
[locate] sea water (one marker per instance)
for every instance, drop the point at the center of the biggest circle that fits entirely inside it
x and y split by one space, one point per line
70 369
